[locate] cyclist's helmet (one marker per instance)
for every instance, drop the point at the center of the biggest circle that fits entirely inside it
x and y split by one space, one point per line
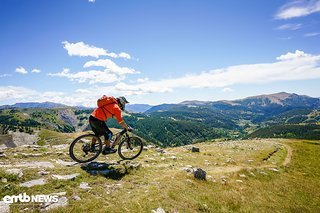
122 101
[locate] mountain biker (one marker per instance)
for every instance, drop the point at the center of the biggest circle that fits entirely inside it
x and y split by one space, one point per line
100 115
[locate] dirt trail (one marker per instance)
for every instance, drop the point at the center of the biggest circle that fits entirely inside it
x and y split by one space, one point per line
231 169
289 155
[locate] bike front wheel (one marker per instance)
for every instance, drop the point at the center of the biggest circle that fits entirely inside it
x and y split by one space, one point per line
130 148
82 150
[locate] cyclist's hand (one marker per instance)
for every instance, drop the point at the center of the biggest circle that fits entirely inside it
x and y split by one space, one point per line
130 129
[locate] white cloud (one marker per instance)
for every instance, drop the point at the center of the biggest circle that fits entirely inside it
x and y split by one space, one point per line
92 76
290 66
141 80
4 75
21 70
110 66
35 70
311 34
92 1
295 55
227 89
298 9
289 27
82 49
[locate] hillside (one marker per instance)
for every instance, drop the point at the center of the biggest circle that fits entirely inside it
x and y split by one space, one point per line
241 176
184 123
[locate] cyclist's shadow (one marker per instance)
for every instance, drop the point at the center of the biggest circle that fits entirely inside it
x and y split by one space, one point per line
114 171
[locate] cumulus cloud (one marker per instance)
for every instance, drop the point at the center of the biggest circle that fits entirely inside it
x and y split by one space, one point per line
92 76
82 49
35 70
289 27
21 70
290 66
110 66
298 9
92 1
295 55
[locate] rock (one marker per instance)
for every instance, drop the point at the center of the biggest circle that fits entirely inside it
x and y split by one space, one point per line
274 169
17 172
65 177
132 166
4 207
65 163
33 164
173 157
3 155
145 148
31 183
61 146
4 180
159 210
84 185
43 172
62 202
195 149
252 174
239 181
249 161
187 169
242 176
160 150
200 174
27 155
223 179
76 197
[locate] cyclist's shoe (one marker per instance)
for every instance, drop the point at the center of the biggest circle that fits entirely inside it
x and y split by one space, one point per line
108 150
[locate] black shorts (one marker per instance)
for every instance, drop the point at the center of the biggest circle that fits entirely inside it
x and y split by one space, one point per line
100 128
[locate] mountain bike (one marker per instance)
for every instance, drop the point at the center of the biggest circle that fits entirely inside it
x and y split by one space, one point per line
129 147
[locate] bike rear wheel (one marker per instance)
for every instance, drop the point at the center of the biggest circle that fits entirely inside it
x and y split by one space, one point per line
130 148
81 150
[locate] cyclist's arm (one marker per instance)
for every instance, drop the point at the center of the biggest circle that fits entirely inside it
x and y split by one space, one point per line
117 113
124 125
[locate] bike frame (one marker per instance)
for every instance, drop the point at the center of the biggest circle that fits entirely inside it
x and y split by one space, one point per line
118 136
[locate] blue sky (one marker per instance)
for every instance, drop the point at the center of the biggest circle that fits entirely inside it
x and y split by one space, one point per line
74 51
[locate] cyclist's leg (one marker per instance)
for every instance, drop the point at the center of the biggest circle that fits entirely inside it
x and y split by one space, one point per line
107 136
97 127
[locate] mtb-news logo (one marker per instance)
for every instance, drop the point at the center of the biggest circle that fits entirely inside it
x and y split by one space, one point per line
24 198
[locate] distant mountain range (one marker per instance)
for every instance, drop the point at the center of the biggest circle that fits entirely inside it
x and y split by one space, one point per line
281 114
46 105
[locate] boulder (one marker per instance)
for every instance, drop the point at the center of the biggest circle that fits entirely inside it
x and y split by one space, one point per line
200 174
65 163
17 172
4 207
84 185
31 183
62 202
195 149
65 177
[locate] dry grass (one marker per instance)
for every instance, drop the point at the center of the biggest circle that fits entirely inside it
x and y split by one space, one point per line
161 181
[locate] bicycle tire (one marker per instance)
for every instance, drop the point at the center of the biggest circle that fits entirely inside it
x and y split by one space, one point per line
128 139
71 148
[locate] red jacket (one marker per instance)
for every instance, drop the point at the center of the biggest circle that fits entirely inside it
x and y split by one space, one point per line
108 111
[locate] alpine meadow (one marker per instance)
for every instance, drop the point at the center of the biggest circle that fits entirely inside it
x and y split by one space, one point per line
159 106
